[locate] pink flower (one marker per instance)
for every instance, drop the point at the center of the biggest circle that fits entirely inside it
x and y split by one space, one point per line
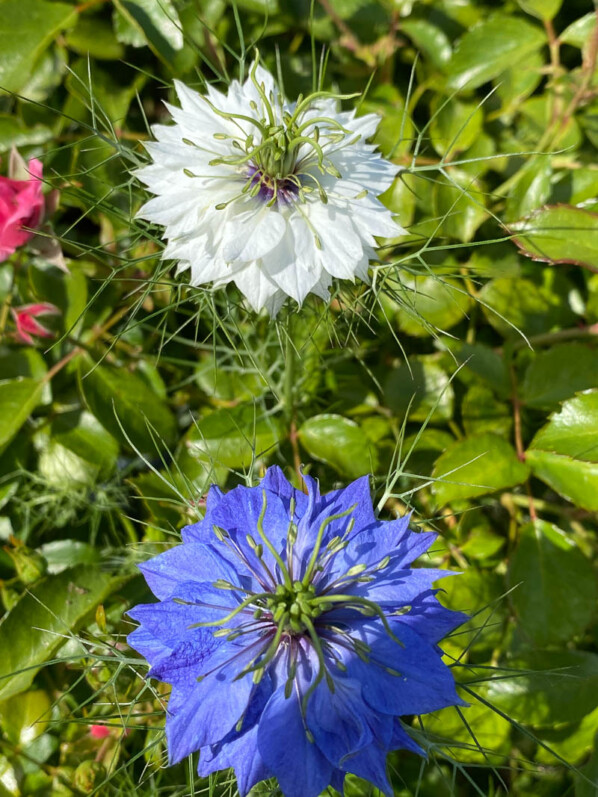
25 318
21 205
99 731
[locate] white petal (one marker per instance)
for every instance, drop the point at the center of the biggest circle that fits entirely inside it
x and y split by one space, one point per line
253 234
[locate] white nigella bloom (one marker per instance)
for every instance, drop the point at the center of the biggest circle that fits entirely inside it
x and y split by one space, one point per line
278 197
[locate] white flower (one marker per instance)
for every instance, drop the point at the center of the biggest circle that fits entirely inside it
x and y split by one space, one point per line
277 197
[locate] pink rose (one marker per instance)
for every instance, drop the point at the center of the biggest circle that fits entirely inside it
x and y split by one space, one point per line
21 205
25 318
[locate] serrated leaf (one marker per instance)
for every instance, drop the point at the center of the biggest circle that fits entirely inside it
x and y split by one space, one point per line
554 585
340 443
573 430
559 234
491 47
33 630
476 466
575 480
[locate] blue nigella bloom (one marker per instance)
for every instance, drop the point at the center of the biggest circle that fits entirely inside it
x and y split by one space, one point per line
294 633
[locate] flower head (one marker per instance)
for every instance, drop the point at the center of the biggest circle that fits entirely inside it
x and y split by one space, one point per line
25 318
277 197
21 205
294 633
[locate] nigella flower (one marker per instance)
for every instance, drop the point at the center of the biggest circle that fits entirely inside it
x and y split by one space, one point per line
295 633
277 197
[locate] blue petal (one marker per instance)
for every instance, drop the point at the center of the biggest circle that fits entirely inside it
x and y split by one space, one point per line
239 748
401 740
425 683
430 619
385 538
238 513
191 561
394 587
277 482
242 753
203 530
354 500
206 712
301 768
146 643
338 720
370 764
169 621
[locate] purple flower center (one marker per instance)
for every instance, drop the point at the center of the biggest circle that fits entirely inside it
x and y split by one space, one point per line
282 189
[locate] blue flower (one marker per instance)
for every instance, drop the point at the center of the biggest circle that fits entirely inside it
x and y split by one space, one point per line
294 634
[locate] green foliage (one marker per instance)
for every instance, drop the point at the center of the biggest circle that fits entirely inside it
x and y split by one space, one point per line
464 378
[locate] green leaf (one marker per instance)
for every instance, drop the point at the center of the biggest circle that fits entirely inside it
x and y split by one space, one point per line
67 291
388 103
233 438
573 430
61 554
120 398
564 453
420 388
575 480
473 734
541 9
554 585
578 32
82 434
530 308
96 88
455 125
481 594
25 717
14 133
547 687
35 627
559 234
516 84
586 779
558 373
95 37
152 22
459 203
439 301
482 362
28 27
18 398
429 39
340 443
481 412
476 466
491 47
532 188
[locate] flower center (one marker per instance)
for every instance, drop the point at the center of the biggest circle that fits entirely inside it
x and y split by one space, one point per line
296 606
271 189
